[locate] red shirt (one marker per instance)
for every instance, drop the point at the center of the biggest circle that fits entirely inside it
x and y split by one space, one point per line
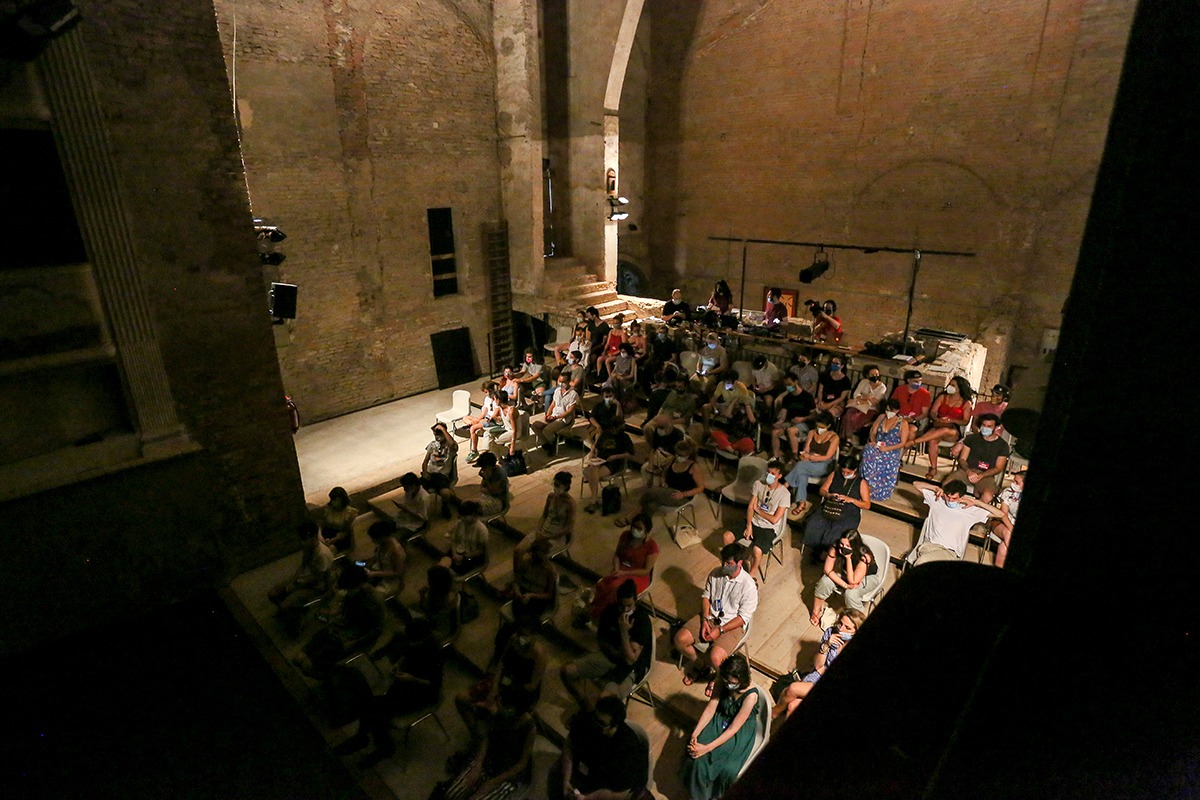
633 554
912 404
823 331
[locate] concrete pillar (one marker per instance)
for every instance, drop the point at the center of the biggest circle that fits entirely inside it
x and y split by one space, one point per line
612 142
519 123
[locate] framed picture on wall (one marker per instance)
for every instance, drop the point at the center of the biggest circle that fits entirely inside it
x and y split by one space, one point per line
788 297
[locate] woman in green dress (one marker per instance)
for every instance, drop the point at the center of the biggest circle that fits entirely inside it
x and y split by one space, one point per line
724 736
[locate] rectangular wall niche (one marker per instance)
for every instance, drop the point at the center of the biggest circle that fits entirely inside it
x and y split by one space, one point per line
441 252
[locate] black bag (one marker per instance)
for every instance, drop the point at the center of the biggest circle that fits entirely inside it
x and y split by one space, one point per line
610 500
514 464
469 610
832 508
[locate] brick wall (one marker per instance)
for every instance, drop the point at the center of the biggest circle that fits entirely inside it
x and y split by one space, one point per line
955 125
354 121
155 533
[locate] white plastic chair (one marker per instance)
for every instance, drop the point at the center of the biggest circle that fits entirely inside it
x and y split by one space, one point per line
644 683
745 371
762 726
459 408
750 469
883 557
688 360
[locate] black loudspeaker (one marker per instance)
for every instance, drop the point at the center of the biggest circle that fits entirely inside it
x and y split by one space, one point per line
283 300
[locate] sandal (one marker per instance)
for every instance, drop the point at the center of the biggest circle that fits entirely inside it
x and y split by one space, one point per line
688 680
592 508
815 617
708 690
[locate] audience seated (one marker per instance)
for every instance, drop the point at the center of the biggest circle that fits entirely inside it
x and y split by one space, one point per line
607 416
832 642
493 486
512 686
508 422
532 591
983 457
914 398
488 418
675 311
805 372
609 455
437 603
947 526
863 407
509 385
412 507
310 581
579 338
468 541
994 403
850 568
721 299
417 671
576 371
637 340
560 415
847 494
678 407
682 480
439 469
623 635
710 366
385 567
949 413
890 434
834 387
633 561
796 412
729 395
723 739
766 515
557 523
337 521
727 606
532 378
598 332
602 757
741 431
499 764
1002 526
765 381
612 347
660 351
622 374
355 622
817 459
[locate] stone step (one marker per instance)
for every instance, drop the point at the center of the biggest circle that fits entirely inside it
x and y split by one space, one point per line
585 287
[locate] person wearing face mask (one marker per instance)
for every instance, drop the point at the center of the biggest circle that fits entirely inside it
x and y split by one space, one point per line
1010 501
947 526
682 480
607 416
850 568
723 739
846 495
806 374
833 388
776 312
796 411
439 470
560 415
826 326
513 683
949 413
675 311
863 407
557 523
598 331
622 372
727 606
832 642
608 456
579 338
729 395
602 758
531 376
766 516
766 379
531 592
677 407
913 397
634 560
711 365
616 338
576 372
890 434
817 459
984 456
487 419
995 403
623 637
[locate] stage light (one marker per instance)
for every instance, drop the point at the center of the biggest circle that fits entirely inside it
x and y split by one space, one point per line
819 266
615 207
268 237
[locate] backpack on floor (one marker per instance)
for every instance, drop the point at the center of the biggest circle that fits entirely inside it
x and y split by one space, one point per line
514 464
610 500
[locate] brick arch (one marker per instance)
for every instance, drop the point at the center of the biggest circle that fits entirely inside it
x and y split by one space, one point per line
934 181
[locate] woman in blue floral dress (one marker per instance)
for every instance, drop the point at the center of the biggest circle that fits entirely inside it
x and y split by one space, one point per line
890 434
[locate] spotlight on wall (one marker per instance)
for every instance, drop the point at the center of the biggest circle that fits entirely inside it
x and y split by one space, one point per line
819 266
616 208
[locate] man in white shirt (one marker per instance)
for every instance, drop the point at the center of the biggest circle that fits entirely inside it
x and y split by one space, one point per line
952 512
412 507
561 414
727 605
765 516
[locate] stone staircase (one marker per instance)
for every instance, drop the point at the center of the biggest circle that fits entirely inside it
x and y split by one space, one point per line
571 285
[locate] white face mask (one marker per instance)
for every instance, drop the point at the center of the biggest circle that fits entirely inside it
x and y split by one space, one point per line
712 345
951 390
890 414
822 428
733 687
770 479
637 533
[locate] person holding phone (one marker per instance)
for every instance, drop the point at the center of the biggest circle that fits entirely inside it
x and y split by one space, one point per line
850 568
832 643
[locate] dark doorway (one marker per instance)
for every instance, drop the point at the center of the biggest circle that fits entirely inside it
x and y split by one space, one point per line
453 357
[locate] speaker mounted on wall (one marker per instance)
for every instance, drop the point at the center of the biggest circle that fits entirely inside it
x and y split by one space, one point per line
282 301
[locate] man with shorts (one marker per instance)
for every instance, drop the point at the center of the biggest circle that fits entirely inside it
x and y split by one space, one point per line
439 469
727 606
765 516
624 638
